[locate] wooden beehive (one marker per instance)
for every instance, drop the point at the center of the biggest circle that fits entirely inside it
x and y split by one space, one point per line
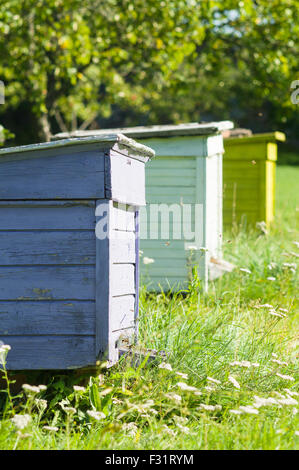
69 250
249 179
187 170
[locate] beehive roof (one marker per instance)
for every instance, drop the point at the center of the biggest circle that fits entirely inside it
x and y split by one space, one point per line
118 138
141 132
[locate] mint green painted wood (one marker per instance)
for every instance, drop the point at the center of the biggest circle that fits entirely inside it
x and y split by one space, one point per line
187 170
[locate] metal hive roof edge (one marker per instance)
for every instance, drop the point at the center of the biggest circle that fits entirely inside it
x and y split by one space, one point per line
118 138
142 132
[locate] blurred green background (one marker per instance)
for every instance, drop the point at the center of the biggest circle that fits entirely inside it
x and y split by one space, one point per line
68 64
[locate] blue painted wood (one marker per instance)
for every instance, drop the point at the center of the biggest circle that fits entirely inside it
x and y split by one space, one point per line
74 175
49 352
47 215
47 282
102 291
47 317
43 247
66 296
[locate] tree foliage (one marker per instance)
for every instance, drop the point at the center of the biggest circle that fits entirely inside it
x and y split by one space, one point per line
66 62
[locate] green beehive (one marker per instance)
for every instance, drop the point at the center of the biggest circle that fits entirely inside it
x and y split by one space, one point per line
249 166
186 175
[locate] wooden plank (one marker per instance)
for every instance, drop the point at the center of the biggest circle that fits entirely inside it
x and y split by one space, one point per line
122 247
157 171
47 283
122 279
47 318
170 163
170 190
74 175
189 146
49 352
122 312
103 345
47 215
123 217
127 180
41 247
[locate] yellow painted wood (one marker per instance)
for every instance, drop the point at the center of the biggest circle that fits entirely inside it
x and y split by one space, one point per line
249 179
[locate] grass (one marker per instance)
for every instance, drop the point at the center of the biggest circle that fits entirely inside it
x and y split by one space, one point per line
147 407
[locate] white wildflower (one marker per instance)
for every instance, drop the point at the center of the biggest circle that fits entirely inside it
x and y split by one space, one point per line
249 410
165 366
180 419
187 388
296 243
50 428
215 381
32 389
210 389
210 407
284 310
41 404
287 401
69 410
296 433
275 314
97 415
21 421
173 396
244 364
264 401
271 278
292 266
291 392
281 363
274 355
294 411
169 431
266 306
184 429
147 260
285 377
77 388
272 266
245 270
235 412
131 429
233 381
184 376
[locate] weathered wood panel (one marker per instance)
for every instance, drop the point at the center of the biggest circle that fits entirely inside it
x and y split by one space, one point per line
123 309
47 282
75 175
47 215
42 247
122 247
103 345
122 279
49 352
125 179
47 318
123 217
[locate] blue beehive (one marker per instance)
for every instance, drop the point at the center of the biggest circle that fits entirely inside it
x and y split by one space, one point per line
69 250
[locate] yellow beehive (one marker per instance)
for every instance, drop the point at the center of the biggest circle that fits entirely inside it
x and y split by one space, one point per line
249 166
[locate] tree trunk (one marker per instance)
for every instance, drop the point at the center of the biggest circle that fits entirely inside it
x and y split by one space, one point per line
45 129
